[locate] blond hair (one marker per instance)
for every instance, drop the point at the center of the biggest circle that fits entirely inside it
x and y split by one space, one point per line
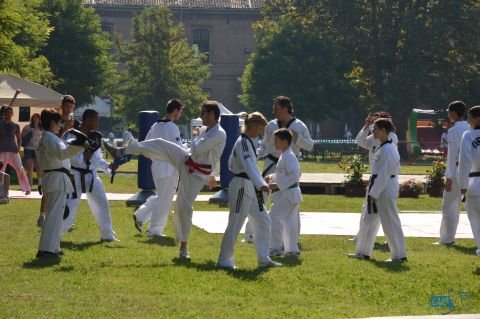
253 119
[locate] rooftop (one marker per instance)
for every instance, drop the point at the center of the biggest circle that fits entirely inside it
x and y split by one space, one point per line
212 4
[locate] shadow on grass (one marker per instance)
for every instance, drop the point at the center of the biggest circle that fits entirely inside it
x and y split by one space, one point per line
389 266
289 261
242 274
383 247
162 241
477 272
466 250
65 269
39 263
79 246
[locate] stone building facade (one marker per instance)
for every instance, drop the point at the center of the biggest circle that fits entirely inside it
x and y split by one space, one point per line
221 28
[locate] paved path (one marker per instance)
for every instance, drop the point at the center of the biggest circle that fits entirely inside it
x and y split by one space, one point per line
343 224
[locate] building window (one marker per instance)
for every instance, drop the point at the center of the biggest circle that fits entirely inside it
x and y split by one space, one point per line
201 38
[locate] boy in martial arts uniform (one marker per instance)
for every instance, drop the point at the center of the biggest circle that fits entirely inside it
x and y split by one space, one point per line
451 194
383 190
53 158
469 172
366 140
196 167
286 196
84 169
165 175
246 197
284 118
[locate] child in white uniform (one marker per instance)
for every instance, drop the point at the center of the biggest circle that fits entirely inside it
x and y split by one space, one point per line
383 191
246 198
286 196
469 172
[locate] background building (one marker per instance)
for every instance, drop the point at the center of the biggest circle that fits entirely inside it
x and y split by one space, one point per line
220 28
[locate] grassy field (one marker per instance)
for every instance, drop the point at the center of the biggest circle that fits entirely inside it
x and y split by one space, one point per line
140 278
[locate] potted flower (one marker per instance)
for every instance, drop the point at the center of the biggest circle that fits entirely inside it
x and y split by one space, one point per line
436 178
355 168
411 188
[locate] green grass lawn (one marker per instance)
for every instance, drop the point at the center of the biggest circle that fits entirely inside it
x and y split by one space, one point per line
138 277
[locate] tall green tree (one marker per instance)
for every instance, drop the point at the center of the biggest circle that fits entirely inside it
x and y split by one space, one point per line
294 57
160 64
23 32
78 50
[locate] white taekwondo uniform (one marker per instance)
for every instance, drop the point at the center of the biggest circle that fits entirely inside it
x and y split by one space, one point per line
87 181
245 198
205 152
285 204
383 191
53 154
366 140
165 176
469 179
451 199
270 154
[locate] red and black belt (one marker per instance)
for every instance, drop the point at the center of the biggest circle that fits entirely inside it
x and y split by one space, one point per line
201 168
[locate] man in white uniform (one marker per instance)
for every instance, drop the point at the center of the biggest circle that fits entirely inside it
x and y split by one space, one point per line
196 167
84 169
283 110
165 175
469 172
451 194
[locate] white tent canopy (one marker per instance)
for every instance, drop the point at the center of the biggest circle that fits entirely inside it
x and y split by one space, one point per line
33 94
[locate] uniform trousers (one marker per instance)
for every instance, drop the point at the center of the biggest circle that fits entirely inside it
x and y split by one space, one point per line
243 202
284 216
157 208
392 227
14 160
473 211
97 201
51 230
450 213
189 184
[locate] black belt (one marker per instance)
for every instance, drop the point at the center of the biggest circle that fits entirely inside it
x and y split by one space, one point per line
242 175
274 159
70 176
474 174
258 193
83 172
371 205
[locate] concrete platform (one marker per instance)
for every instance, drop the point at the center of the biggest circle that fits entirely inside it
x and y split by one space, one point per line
425 225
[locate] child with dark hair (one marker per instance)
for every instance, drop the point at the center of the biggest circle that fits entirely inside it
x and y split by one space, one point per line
286 196
383 190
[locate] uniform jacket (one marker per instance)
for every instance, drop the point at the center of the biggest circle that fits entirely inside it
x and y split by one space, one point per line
287 174
469 162
208 147
386 163
169 131
454 138
365 140
304 141
53 153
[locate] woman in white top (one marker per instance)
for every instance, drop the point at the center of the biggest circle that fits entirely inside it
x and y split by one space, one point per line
34 132
383 190
246 197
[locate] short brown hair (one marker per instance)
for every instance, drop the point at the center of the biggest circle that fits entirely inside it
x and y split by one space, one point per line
172 105
284 134
386 124
284 102
49 115
68 99
210 106
474 111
